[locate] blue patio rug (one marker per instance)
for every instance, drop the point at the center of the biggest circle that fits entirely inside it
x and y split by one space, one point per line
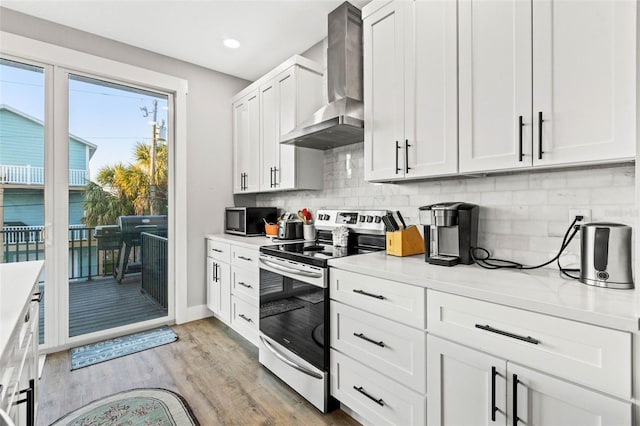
95 353
135 407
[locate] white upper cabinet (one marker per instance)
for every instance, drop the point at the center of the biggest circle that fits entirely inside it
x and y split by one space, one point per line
246 139
278 102
431 89
383 93
584 80
410 93
285 101
546 83
495 84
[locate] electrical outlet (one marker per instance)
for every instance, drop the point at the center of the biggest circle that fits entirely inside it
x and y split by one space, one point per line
585 213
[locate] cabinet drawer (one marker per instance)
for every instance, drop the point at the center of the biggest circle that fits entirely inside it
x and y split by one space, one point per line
397 301
219 251
586 354
373 396
245 284
244 319
244 257
395 350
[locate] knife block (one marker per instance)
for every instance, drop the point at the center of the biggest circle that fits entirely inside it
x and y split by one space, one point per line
405 243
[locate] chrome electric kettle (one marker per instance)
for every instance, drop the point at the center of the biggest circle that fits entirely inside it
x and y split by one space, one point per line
605 255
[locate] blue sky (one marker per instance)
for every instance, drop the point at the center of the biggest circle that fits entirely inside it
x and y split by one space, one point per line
108 117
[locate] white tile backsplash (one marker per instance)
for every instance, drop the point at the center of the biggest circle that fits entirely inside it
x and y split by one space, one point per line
523 215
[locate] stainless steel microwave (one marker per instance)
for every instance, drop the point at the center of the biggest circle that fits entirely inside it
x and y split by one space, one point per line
248 221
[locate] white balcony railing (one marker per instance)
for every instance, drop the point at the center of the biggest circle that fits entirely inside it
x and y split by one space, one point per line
29 175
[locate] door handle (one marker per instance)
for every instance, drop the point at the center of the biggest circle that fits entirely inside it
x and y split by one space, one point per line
527 339
377 296
397 148
291 270
282 357
406 156
378 401
493 394
363 337
520 126
540 121
516 419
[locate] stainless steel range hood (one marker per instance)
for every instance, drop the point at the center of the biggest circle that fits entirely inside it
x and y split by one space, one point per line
341 122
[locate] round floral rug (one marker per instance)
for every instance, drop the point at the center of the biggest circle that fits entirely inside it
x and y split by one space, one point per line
134 407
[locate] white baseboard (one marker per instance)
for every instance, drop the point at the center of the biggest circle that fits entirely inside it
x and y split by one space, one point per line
194 313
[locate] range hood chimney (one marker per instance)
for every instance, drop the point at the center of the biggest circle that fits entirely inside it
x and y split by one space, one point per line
341 122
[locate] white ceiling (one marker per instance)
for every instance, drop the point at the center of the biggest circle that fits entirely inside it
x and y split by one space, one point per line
269 31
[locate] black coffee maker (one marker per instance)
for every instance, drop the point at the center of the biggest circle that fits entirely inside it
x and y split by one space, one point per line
450 230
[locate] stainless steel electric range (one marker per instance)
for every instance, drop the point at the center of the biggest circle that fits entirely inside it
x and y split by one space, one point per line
294 300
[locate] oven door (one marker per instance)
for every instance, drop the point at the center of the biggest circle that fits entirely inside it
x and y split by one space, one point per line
294 308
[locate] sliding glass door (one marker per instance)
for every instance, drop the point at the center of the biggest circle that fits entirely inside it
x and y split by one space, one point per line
85 165
22 165
118 205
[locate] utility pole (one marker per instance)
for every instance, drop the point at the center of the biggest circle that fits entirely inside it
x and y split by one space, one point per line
154 143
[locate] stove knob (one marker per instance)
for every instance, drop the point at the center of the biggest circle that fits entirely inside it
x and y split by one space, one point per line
378 219
369 219
327 217
362 218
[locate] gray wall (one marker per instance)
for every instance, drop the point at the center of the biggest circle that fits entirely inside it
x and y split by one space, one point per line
208 128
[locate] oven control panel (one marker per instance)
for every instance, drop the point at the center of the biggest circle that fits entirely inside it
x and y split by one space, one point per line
366 221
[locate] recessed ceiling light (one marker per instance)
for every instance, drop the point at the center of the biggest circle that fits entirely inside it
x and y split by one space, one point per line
231 43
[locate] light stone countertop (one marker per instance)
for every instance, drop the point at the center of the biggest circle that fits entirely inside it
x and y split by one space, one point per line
16 283
248 242
542 290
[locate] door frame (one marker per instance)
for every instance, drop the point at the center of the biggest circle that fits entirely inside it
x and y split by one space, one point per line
60 62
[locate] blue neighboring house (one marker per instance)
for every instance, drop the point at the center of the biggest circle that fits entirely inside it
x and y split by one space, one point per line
22 170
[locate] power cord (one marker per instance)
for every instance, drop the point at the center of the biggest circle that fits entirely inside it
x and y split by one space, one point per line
489 262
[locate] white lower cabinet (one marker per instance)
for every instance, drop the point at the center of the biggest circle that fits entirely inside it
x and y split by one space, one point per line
378 348
470 387
233 288
219 289
378 399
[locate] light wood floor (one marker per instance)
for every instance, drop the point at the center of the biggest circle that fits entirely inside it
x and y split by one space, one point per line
210 365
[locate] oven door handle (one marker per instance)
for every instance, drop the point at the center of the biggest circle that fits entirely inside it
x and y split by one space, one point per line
291 270
288 361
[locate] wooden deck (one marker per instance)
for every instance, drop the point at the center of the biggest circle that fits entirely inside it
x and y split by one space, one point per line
103 303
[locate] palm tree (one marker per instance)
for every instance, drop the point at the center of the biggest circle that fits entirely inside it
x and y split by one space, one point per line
124 190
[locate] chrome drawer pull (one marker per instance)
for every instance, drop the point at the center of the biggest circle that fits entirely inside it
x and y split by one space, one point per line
216 250
527 339
245 285
245 318
363 337
245 258
360 389
377 296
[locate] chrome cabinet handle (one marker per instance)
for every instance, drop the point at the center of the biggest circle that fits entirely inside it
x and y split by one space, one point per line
378 401
397 148
216 250
377 296
248 259
527 339
245 318
288 361
363 337
245 285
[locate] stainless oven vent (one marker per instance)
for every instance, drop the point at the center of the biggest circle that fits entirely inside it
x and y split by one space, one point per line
341 121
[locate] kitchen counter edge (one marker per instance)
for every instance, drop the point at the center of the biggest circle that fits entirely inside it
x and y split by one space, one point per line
543 290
